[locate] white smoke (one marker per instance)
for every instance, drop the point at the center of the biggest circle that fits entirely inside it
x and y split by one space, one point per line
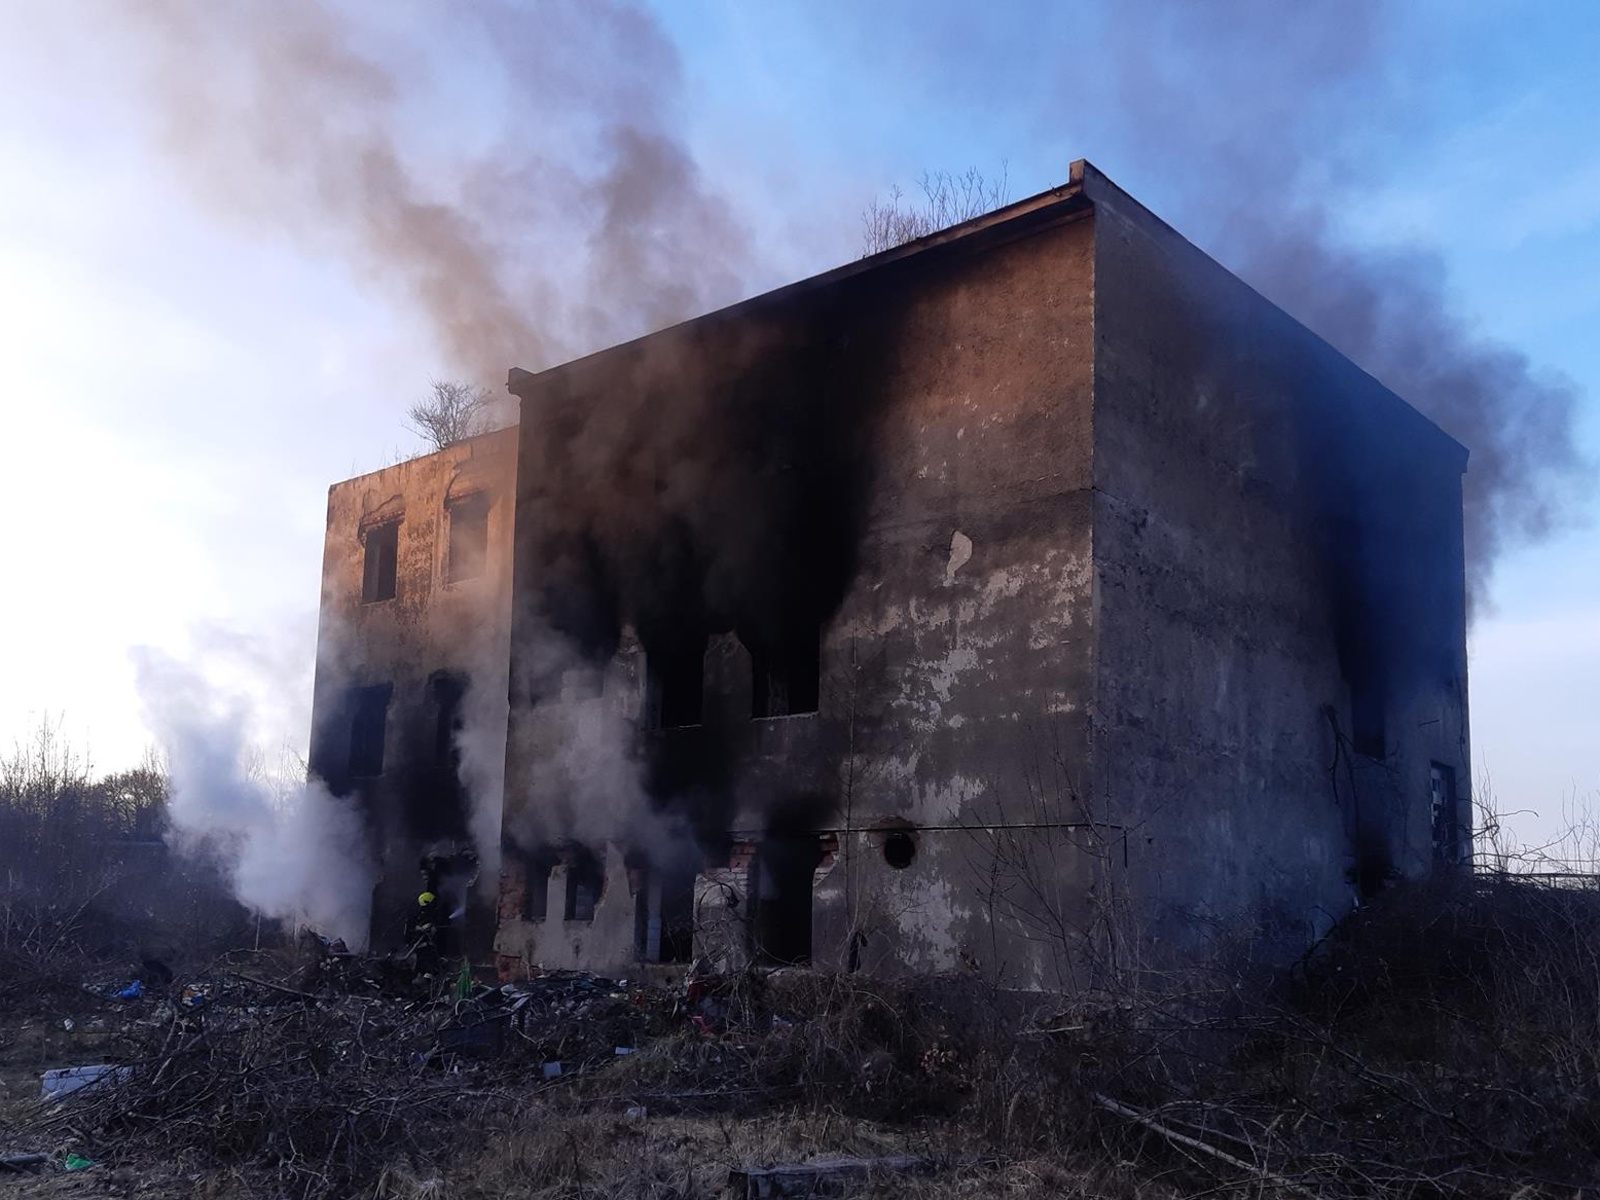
292 852
481 745
560 209
585 782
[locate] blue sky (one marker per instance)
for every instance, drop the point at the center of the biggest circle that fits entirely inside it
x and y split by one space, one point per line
187 372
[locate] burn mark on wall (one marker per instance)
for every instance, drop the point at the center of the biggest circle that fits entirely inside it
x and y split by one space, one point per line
712 480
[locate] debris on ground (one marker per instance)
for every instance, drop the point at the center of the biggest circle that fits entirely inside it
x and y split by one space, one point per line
1362 1074
63 1082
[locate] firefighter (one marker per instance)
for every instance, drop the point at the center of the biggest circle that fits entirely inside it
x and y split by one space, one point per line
423 931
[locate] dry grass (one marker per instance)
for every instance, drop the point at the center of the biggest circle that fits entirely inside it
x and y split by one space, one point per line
1443 1043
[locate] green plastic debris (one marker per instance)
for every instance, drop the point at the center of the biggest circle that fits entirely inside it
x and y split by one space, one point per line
464 982
77 1162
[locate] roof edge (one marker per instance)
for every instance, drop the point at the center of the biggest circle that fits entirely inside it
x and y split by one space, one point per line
1101 191
504 431
1065 200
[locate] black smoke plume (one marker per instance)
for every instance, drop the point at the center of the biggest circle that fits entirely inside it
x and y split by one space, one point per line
511 172
578 217
714 479
1271 118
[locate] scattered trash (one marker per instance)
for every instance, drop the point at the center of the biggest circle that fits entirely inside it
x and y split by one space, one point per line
75 1079
77 1162
636 1112
121 989
552 1070
23 1163
67 1024
621 1050
480 1037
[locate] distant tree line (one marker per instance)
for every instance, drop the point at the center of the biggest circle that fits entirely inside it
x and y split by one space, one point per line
85 870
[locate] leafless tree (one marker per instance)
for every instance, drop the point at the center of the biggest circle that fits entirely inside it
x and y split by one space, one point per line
83 861
947 199
452 413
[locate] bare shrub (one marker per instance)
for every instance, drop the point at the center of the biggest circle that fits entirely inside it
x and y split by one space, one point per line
1571 851
452 412
846 1043
1442 1041
947 199
85 873
316 1098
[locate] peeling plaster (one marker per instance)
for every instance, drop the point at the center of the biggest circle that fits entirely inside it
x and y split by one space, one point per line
931 943
960 555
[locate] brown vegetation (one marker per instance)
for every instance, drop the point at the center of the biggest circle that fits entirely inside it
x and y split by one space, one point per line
1444 1041
1441 1043
86 876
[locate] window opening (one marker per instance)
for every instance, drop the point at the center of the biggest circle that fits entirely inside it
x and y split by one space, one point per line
784 870
587 682
368 722
585 880
379 567
787 682
449 694
1446 811
536 868
665 916
467 554
675 686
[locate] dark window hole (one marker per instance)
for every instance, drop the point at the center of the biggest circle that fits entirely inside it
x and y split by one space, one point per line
468 547
379 565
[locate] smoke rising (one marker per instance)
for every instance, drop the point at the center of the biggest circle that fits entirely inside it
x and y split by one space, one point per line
1271 123
579 220
722 488
576 218
301 856
481 747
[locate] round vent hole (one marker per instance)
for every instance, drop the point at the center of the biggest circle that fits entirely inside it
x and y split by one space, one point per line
899 850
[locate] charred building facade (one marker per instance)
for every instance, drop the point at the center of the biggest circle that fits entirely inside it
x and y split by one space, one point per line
1031 599
412 649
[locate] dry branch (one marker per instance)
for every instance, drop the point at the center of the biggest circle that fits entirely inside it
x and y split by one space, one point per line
1194 1143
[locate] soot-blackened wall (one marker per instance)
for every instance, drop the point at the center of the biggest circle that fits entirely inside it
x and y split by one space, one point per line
1281 622
1129 612
891 465
428 647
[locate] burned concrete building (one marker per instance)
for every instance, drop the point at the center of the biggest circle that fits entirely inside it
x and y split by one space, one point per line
1032 599
412 648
